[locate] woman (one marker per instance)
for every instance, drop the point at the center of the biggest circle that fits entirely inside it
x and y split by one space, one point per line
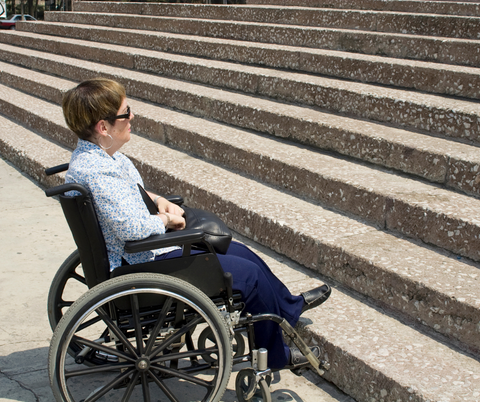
97 111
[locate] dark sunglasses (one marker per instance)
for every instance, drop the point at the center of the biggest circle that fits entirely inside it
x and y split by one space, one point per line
123 116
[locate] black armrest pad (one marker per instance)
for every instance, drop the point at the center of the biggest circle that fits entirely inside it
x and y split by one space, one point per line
165 240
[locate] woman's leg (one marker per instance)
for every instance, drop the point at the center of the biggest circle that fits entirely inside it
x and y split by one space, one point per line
290 305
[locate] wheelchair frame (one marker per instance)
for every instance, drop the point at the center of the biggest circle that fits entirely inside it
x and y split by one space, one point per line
141 321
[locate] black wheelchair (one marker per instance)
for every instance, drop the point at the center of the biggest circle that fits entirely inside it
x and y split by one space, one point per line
164 330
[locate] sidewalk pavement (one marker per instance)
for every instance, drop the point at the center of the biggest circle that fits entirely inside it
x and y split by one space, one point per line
34 241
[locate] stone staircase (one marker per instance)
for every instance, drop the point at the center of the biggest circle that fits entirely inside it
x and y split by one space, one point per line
342 134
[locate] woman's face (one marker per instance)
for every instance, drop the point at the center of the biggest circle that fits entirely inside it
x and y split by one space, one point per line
120 130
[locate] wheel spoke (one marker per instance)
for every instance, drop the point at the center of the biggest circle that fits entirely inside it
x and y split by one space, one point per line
98 369
163 387
158 325
185 355
78 278
88 323
136 322
103 390
103 348
183 376
118 333
176 336
131 386
145 388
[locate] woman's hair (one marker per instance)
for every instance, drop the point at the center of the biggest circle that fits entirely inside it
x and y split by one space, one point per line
89 102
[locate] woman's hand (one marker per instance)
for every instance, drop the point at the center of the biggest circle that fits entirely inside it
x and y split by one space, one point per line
172 221
164 205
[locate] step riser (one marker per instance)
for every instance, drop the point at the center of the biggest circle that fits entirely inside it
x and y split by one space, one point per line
367 388
430 79
29 166
56 132
439 25
427 225
442 121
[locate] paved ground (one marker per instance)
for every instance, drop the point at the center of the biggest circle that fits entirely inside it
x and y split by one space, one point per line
34 241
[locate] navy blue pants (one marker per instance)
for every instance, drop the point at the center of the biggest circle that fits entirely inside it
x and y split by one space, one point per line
262 292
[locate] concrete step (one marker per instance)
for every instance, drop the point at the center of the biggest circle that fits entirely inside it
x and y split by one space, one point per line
437 114
388 200
430 77
452 26
373 355
399 273
468 7
412 47
438 160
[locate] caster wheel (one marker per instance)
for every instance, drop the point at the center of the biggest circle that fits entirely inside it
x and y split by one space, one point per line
206 340
249 390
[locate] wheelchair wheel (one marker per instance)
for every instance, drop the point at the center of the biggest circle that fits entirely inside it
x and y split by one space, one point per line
206 340
67 286
248 389
150 321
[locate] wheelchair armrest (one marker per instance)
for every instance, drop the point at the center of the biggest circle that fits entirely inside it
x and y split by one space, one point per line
165 240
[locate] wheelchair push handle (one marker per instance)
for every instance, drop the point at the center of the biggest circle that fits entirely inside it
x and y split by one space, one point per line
65 188
56 169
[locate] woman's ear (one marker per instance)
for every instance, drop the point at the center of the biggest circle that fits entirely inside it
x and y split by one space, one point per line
101 127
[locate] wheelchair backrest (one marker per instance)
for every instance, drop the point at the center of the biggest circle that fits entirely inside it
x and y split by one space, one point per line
83 223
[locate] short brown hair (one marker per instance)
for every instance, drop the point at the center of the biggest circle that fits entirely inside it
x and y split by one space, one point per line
89 102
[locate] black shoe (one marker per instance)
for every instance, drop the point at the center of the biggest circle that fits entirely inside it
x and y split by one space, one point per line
297 359
315 297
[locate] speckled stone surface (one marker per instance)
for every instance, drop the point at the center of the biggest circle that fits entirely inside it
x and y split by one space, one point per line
421 211
435 159
451 117
412 6
454 80
385 21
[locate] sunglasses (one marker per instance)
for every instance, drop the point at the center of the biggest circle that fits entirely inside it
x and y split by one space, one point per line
123 116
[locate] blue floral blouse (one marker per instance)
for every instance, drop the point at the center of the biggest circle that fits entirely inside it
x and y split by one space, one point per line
122 214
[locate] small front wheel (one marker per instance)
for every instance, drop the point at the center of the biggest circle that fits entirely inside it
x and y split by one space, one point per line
249 389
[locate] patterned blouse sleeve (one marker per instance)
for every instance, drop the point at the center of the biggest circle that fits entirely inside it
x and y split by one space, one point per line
121 209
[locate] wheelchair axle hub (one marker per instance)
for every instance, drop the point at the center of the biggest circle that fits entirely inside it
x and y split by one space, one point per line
142 364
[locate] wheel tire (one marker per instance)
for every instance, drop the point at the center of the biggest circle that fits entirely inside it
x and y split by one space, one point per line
145 360
56 296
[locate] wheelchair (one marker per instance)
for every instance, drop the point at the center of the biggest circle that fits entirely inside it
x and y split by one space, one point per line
164 330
